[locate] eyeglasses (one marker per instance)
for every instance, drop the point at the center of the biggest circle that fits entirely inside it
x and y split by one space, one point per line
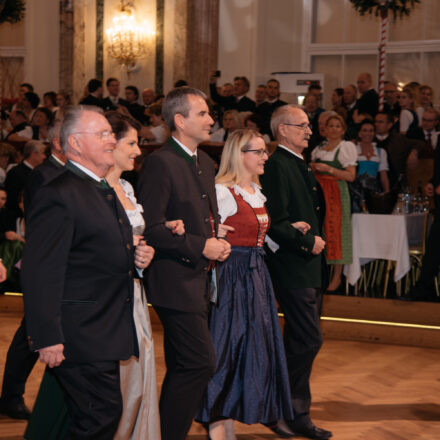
105 134
259 153
303 127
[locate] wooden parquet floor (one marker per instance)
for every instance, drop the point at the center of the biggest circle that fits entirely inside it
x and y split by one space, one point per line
361 391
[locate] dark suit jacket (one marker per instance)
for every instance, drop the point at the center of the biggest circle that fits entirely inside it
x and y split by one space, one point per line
265 110
398 148
92 100
77 272
293 194
368 103
39 175
245 104
172 187
423 149
15 182
137 111
108 104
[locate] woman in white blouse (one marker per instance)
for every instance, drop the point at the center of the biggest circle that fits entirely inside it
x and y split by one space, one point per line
251 383
408 119
334 163
231 122
371 160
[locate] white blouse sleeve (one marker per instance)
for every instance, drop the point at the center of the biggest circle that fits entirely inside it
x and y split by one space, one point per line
227 205
383 160
218 135
314 154
347 154
406 119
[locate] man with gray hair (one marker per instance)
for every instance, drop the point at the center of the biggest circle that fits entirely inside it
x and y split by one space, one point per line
178 182
77 277
296 261
17 177
20 360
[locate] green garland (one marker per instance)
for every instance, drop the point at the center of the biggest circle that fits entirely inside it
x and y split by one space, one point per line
378 7
11 11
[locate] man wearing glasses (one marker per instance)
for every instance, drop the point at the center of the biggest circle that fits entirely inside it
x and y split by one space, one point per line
296 260
77 277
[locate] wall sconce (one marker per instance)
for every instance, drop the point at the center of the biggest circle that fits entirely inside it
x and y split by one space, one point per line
126 38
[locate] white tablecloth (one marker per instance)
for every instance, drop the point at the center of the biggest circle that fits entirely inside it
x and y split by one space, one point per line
377 236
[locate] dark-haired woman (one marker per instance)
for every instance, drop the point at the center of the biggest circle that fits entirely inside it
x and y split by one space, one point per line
371 160
42 120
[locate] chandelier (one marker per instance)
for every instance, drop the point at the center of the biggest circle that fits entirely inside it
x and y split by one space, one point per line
126 38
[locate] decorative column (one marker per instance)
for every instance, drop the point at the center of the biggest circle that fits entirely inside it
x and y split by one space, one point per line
66 46
201 41
382 55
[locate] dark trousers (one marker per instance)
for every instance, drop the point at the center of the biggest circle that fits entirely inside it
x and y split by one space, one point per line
302 341
93 397
431 259
19 363
190 362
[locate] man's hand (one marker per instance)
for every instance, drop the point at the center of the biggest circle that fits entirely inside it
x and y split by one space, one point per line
429 189
226 250
143 255
52 356
212 77
301 226
216 249
413 159
318 246
2 272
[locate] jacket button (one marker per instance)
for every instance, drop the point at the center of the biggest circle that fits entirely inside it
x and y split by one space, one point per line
204 196
130 273
309 169
128 299
315 189
206 219
128 246
120 221
317 208
199 172
206 268
109 197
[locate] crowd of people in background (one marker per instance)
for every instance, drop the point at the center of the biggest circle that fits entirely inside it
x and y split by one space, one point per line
316 159
367 149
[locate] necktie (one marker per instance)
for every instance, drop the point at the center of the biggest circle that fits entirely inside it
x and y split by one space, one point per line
430 150
194 158
104 184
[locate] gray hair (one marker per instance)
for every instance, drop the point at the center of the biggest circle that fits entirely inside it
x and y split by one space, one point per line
31 147
176 102
281 116
70 122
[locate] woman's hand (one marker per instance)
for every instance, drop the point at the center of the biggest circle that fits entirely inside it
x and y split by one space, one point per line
321 167
137 239
11 235
223 230
176 226
301 226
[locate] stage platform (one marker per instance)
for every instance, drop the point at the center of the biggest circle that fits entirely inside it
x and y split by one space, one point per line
363 388
386 321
